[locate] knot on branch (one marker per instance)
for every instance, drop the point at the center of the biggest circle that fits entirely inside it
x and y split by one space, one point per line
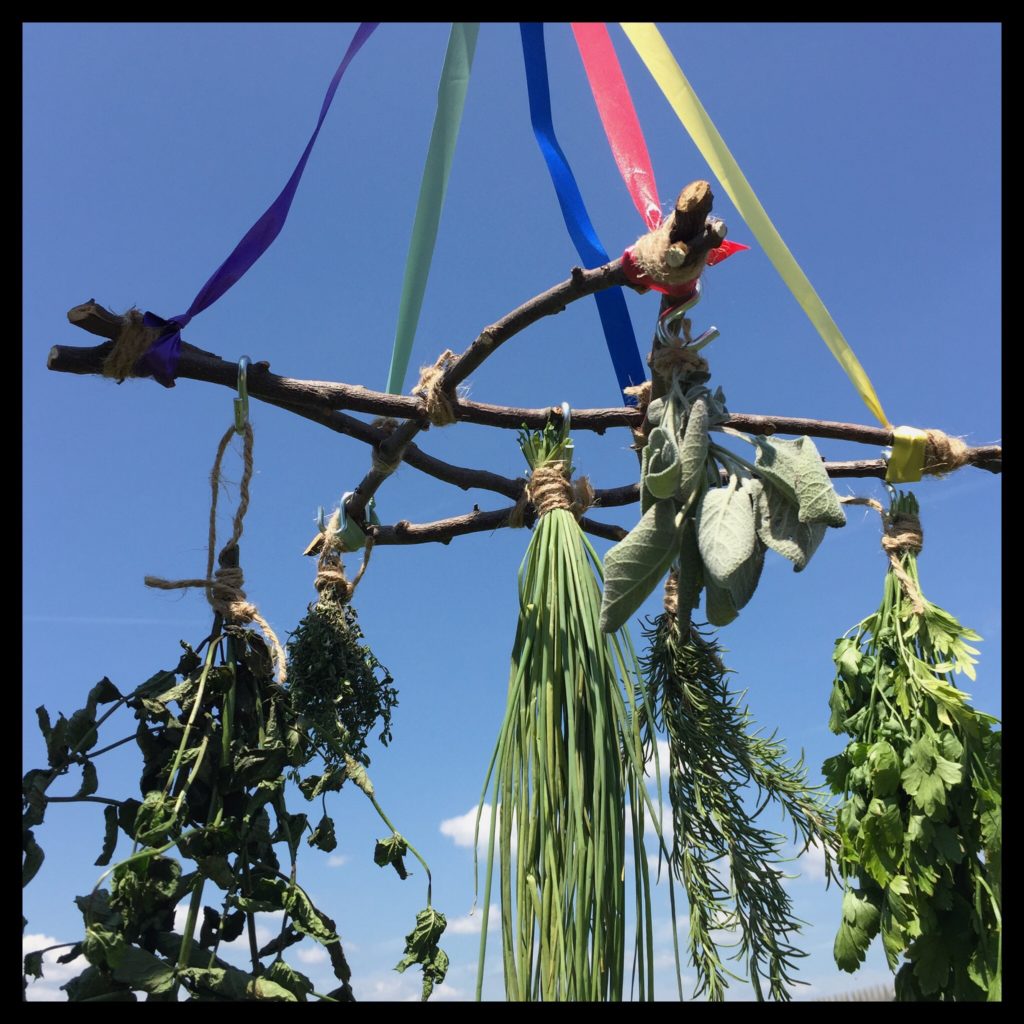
131 343
641 393
439 406
943 453
667 359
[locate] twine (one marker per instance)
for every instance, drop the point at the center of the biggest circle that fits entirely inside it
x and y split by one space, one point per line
668 359
672 595
651 254
439 406
548 488
130 345
902 534
331 581
224 587
943 453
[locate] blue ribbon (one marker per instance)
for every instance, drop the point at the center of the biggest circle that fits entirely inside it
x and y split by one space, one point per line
161 360
611 303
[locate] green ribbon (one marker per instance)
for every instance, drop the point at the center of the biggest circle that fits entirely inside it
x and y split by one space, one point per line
451 98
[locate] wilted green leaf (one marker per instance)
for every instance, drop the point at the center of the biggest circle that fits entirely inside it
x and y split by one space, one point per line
391 851
421 948
142 970
323 837
287 977
109 836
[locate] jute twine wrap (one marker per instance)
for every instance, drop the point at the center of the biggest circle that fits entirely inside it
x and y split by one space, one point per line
224 587
672 595
331 581
439 406
548 488
902 533
668 359
129 346
651 255
943 453
642 394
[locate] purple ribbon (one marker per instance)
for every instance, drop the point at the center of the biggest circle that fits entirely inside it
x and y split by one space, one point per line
161 360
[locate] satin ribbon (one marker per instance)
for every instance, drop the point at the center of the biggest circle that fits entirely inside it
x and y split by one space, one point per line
611 304
654 52
161 360
451 99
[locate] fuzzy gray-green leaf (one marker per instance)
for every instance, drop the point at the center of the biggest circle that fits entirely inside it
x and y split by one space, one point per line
690 579
693 449
662 476
725 530
743 582
720 608
796 468
779 527
634 567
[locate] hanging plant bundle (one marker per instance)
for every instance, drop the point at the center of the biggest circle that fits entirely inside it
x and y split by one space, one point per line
336 684
728 863
920 780
712 512
567 765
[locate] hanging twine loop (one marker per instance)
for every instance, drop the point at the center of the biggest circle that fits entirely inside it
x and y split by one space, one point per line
548 488
667 360
331 582
902 534
944 454
130 345
224 587
439 406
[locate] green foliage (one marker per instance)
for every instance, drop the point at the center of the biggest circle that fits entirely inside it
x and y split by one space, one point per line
783 502
337 686
921 817
421 948
731 867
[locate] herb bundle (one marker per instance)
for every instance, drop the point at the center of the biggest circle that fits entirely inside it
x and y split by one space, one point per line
568 763
729 864
920 780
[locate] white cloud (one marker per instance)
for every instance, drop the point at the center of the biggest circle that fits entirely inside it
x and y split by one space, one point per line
663 761
469 924
312 955
812 863
460 828
337 860
47 988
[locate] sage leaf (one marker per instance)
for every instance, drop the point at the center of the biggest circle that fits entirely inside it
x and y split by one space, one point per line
743 582
725 530
635 566
689 576
719 607
796 468
693 450
663 467
779 526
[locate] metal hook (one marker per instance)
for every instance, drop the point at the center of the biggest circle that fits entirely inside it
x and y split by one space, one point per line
242 401
566 419
343 514
673 316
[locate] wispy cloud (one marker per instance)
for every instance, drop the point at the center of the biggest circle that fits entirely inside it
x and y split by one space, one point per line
337 860
460 829
812 863
469 924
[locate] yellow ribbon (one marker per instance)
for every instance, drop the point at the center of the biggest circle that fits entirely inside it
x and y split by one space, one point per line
654 52
906 464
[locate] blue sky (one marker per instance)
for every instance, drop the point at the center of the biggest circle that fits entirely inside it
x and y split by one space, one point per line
149 150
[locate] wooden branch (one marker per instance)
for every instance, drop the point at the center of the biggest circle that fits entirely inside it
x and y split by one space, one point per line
443 530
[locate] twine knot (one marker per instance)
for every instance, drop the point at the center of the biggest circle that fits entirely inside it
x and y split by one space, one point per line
668 359
655 257
549 488
672 595
331 582
943 453
439 406
131 343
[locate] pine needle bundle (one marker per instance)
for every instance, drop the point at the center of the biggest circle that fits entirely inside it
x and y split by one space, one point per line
568 763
